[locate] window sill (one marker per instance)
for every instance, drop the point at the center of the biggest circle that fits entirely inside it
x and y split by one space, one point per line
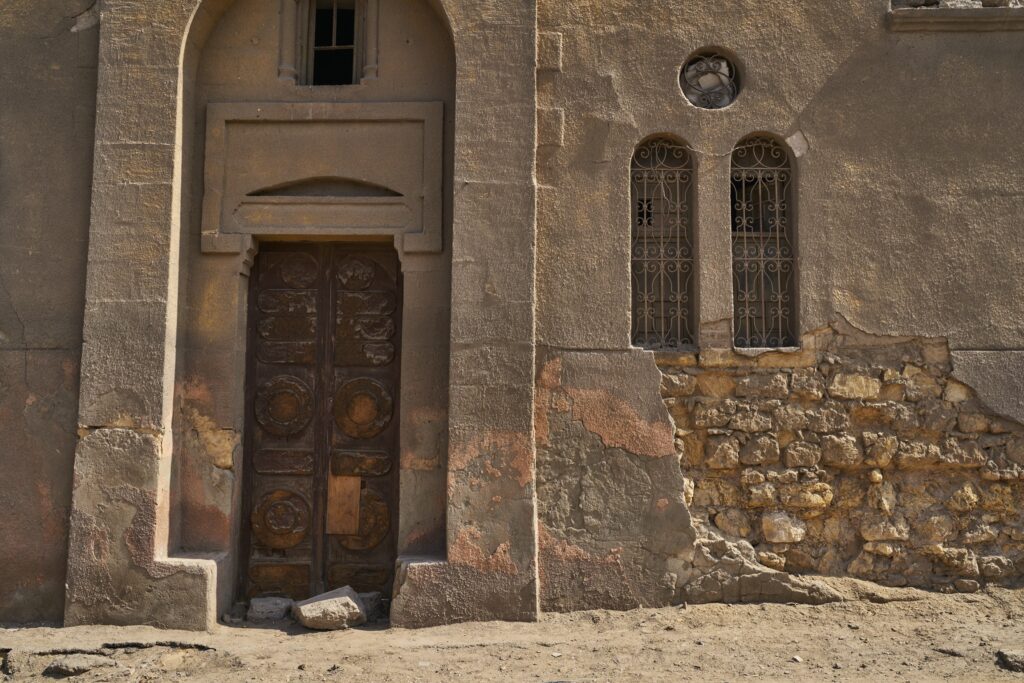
950 19
783 357
682 358
754 351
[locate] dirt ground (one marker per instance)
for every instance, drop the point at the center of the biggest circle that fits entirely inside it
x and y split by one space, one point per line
891 635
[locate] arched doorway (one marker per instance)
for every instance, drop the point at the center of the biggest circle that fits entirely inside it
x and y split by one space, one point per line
290 174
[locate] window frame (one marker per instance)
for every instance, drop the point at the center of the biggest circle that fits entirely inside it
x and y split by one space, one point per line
683 338
297 42
358 8
789 335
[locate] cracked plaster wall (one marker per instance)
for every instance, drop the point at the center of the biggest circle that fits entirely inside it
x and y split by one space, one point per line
907 211
48 80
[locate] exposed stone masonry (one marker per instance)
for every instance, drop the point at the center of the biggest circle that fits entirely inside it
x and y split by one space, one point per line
956 4
858 456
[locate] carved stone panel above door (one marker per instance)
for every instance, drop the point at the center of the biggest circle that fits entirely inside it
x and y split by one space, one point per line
287 169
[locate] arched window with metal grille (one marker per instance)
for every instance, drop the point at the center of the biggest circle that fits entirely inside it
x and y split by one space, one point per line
763 245
662 245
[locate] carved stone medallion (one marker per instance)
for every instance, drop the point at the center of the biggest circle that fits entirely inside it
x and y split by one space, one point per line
355 274
284 405
299 270
281 520
363 408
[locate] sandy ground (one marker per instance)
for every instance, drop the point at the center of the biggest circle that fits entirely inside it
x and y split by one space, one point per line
922 637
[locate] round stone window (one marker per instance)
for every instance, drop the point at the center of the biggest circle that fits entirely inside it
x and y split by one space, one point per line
709 80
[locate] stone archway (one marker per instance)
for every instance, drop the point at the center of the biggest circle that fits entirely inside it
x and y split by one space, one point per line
121 568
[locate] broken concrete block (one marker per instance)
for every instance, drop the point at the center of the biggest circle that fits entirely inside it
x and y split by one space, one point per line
338 609
268 609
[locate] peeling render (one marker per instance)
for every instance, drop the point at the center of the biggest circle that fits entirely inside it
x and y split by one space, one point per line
856 456
611 521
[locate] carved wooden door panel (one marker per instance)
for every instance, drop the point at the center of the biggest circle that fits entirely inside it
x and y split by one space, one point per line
321 465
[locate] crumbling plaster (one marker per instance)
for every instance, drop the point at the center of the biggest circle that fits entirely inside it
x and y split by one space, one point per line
905 220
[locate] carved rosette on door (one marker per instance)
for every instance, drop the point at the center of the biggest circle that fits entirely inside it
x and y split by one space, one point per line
322 439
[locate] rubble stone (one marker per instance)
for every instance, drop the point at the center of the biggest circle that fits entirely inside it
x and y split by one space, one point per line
956 392
338 609
827 418
806 497
268 609
808 385
841 451
995 566
920 385
750 420
851 386
972 423
763 386
675 385
779 527
733 522
763 495
880 449
723 454
890 471
772 560
760 450
876 527
802 454
937 527
964 499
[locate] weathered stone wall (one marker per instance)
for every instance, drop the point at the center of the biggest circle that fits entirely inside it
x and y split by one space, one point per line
957 4
902 228
859 456
907 212
613 524
47 101
123 536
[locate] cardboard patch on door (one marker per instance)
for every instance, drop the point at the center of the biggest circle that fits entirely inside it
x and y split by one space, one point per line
343 505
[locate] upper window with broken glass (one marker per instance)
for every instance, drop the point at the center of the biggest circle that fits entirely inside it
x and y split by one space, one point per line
333 50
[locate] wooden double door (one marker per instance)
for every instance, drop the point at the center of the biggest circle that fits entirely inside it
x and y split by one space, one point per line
321 449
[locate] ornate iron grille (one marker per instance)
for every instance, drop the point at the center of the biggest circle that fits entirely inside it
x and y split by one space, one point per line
662 245
709 81
763 254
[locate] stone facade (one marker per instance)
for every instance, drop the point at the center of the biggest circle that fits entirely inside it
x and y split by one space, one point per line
544 462
861 456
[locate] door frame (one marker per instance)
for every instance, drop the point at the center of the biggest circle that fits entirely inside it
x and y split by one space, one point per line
323 368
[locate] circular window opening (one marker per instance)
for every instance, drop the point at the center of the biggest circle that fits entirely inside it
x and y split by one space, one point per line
709 80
